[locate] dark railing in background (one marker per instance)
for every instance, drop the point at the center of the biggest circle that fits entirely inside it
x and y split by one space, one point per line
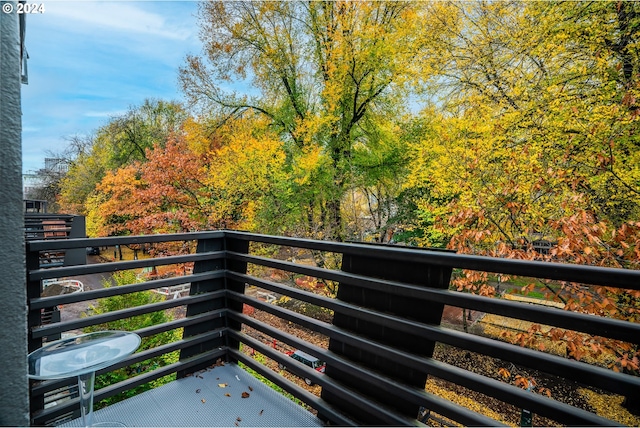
42 226
386 321
39 225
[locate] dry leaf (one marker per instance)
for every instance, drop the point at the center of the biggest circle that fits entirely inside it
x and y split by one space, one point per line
223 385
203 400
227 395
245 394
250 389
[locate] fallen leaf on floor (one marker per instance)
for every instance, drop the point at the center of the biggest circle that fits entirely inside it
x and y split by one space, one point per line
250 389
227 395
223 385
203 400
245 394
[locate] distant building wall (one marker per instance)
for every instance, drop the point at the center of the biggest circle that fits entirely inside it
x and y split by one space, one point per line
56 165
31 182
14 393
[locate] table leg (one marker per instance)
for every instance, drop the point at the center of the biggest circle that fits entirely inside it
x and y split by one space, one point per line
85 389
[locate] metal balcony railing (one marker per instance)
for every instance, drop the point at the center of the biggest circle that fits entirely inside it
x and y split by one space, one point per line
385 323
42 226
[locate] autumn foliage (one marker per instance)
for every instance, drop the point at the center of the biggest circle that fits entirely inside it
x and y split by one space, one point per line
507 129
163 195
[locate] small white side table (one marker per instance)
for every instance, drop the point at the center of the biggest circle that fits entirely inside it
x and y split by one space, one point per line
82 356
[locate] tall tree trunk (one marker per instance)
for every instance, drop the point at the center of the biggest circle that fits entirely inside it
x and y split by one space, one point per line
334 221
627 24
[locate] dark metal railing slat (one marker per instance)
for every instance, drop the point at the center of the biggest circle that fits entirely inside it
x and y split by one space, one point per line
50 329
613 277
65 299
122 240
608 327
60 272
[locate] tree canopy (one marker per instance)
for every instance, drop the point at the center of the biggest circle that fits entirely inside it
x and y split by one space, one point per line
326 76
499 128
482 126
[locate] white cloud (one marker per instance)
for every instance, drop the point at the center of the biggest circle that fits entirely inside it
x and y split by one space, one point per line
90 61
105 114
114 16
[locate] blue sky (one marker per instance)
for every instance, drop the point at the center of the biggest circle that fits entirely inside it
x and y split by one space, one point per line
90 60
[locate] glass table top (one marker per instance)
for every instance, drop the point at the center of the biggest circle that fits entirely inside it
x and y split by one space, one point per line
82 354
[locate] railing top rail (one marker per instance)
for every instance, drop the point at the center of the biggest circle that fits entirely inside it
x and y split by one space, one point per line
48 216
43 245
613 277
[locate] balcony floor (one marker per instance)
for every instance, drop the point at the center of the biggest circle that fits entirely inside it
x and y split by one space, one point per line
198 401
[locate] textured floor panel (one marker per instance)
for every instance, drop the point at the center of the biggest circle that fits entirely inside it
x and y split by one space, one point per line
198 401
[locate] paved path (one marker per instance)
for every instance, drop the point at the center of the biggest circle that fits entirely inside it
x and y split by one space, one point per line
94 281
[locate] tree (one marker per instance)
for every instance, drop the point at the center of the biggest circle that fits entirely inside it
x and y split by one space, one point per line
539 126
378 169
123 140
320 71
130 135
537 141
245 173
164 195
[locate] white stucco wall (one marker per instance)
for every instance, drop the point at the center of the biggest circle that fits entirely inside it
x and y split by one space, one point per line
14 398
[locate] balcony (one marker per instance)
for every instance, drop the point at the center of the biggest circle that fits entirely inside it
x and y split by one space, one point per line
381 329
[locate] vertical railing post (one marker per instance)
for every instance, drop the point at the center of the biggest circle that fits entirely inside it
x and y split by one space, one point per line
430 313
237 246
34 291
198 287
76 256
34 319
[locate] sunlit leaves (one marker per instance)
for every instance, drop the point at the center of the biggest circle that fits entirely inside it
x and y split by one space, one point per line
164 194
321 74
121 141
536 143
243 174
